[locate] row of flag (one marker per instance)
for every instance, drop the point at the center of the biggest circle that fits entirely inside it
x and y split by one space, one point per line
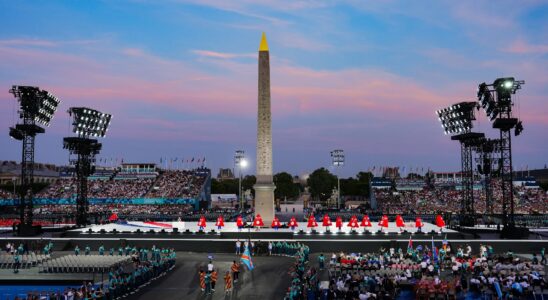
182 160
383 169
109 160
162 160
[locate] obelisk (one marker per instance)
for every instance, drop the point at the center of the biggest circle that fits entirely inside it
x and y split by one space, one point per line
264 188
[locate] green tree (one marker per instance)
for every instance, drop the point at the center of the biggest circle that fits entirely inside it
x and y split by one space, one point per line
364 177
349 186
321 183
228 186
285 187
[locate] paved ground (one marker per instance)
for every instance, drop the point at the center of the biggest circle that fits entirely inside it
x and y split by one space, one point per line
269 279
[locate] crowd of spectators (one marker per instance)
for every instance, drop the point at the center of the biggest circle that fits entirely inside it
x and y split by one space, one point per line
119 189
61 189
168 185
6 195
384 274
435 200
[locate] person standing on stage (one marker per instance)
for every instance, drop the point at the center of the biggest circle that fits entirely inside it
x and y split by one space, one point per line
238 247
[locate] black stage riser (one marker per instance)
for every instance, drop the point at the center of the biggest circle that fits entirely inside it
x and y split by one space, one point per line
316 245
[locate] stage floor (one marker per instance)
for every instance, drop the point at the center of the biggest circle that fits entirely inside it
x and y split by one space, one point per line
230 227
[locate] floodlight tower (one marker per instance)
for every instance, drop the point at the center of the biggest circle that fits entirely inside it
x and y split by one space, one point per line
499 111
337 159
457 121
36 106
486 167
87 123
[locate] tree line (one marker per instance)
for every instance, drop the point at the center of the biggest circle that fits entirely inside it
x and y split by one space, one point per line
320 183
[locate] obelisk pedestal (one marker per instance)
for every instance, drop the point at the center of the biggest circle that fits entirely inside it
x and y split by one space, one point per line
264 188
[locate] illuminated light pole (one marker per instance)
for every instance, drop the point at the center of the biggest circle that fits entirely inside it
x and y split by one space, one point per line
337 159
241 162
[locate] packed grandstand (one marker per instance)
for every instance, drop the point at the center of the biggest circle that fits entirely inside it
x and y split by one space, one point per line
155 194
430 200
165 193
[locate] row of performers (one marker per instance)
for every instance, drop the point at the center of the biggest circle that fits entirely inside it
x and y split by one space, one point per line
326 222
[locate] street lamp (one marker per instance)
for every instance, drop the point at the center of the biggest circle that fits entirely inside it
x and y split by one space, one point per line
337 159
241 162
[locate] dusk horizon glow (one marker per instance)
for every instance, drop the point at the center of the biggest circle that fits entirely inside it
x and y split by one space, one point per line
180 77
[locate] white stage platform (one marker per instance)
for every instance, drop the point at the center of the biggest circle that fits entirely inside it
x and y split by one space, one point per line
231 227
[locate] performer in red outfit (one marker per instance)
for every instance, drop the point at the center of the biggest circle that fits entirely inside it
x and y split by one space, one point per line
293 223
202 223
384 222
399 222
440 222
239 222
258 222
312 222
220 222
338 223
365 222
353 223
326 222
419 224
276 223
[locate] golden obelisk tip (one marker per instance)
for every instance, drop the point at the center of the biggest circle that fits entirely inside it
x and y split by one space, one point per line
264 44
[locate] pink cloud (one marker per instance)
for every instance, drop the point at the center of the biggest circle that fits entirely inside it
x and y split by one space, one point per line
222 55
118 78
522 47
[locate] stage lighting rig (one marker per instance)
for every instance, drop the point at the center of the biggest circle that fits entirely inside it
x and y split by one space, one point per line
456 120
89 122
86 123
486 150
498 97
35 106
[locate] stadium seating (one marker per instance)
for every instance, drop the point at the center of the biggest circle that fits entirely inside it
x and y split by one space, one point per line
27 260
83 264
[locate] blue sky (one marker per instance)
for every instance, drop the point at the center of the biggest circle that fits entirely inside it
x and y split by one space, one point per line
180 77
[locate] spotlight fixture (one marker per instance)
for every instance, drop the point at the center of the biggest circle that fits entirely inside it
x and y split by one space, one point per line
457 118
89 122
518 129
38 103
